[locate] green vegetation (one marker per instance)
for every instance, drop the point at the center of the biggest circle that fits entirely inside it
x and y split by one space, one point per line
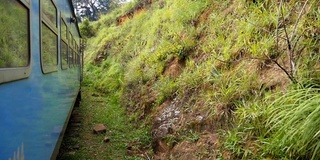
295 120
247 71
97 108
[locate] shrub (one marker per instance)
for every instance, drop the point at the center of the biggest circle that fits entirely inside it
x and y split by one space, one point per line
86 29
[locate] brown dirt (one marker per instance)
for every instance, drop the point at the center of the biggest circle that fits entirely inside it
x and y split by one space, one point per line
122 19
174 68
206 147
130 15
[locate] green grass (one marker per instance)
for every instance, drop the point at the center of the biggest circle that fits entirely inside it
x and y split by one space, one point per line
97 108
294 123
228 76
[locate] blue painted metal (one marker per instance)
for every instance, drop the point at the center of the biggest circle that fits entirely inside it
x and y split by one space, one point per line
34 111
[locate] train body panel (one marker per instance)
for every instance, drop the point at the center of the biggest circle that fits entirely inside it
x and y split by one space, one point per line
35 109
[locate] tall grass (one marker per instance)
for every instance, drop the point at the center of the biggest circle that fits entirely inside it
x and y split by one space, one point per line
295 123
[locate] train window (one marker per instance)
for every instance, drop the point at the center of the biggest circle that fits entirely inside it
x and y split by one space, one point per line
14 41
75 58
50 11
70 57
49 38
74 43
74 52
64 46
70 39
49 48
78 57
64 55
64 32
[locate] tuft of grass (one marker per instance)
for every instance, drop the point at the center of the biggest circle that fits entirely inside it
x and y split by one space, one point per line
294 123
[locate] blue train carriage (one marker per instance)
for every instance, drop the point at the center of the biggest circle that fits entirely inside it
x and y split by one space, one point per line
40 74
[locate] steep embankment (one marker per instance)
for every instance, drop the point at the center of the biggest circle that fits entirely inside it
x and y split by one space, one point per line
208 76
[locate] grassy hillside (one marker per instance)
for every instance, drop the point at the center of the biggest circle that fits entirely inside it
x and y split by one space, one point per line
228 79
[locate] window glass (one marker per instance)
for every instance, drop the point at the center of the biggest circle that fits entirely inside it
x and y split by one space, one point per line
70 39
50 11
76 58
49 48
14 35
77 50
64 33
70 57
64 55
74 43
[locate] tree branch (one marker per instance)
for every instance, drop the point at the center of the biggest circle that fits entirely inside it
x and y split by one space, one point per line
298 20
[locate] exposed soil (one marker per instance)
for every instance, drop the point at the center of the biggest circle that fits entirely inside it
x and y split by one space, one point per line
174 68
129 15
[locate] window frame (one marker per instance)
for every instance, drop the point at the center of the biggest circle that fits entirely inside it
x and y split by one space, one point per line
18 73
71 54
53 27
64 39
74 52
78 55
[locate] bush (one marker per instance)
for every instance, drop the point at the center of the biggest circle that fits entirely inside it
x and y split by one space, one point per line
86 29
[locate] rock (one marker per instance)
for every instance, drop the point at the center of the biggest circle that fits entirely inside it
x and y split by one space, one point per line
99 128
71 153
199 119
161 146
106 140
95 95
75 125
76 147
76 119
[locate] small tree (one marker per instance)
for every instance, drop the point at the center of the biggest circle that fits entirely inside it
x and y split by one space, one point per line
86 29
92 9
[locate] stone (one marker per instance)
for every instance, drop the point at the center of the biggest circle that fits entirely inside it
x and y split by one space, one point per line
76 119
71 153
106 140
99 128
76 147
75 125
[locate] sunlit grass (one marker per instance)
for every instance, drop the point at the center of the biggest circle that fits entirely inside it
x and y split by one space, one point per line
294 122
